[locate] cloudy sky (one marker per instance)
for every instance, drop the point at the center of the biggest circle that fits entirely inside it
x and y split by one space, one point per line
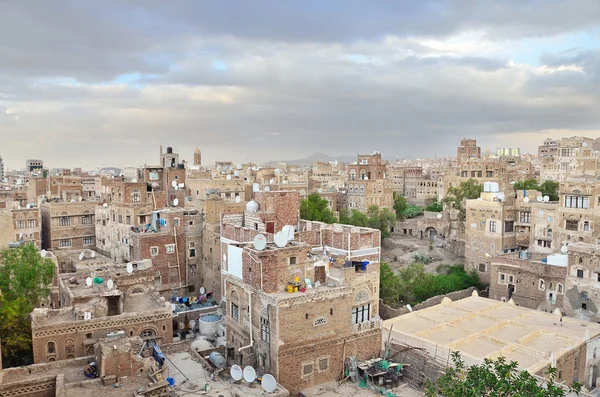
104 83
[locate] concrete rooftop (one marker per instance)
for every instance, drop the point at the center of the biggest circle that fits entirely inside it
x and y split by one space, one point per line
483 328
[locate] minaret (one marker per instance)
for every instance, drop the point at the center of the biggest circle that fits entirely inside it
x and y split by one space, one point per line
197 157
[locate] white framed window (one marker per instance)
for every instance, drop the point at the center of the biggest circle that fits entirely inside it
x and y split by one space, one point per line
577 202
307 369
136 197
323 364
64 221
86 220
170 248
319 321
501 278
361 314
31 223
265 334
88 240
293 260
559 289
153 251
20 224
176 221
493 226
65 242
192 249
541 285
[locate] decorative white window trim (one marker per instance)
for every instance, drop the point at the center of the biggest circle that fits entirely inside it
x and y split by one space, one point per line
319 321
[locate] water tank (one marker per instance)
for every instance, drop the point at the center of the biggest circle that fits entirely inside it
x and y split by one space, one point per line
209 323
217 359
169 150
251 206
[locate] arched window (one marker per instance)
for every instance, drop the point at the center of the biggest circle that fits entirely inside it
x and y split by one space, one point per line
559 288
69 346
541 285
136 196
580 260
51 347
492 247
352 174
586 226
147 333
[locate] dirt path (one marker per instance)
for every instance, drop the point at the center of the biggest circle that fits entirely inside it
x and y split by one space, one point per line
398 252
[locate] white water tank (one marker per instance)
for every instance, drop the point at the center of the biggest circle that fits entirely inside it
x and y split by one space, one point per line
209 323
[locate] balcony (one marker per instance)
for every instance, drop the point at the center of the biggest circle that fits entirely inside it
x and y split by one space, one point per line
366 326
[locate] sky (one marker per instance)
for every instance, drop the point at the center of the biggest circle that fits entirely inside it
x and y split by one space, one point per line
89 84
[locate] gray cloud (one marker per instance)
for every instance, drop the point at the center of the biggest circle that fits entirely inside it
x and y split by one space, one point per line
270 80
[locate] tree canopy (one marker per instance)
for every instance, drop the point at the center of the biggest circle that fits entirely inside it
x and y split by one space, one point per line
547 188
25 279
467 190
413 284
399 205
497 378
376 218
316 208
436 206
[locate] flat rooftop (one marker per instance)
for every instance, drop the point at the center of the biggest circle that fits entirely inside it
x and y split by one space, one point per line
349 389
484 328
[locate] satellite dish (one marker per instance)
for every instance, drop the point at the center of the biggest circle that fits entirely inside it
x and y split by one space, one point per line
238 199
260 242
526 199
288 230
81 256
72 200
564 249
134 180
268 383
546 199
277 171
181 185
255 187
249 374
88 281
176 202
584 144
267 188
174 183
281 239
110 284
236 372
28 206
105 205
439 216
320 190
539 199
202 290
80 198
409 308
93 254
272 181
129 268
43 253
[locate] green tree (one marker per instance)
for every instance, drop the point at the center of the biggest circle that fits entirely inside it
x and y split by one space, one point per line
550 189
497 378
436 206
467 190
412 210
389 285
315 208
399 205
25 279
528 184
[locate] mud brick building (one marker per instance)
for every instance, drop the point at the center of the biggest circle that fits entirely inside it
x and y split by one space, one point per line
368 184
19 225
582 290
299 337
68 225
87 314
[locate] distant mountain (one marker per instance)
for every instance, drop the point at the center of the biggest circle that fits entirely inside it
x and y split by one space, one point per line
311 159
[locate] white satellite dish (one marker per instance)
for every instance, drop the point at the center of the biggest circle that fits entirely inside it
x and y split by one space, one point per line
28 206
277 171
546 199
236 372
72 200
93 254
110 284
288 230
181 185
439 216
88 281
584 144
81 256
272 181
526 199
320 190
564 249
238 199
176 202
281 239
80 198
249 374
260 242
105 205
43 253
134 180
267 188
268 383
255 187
409 307
539 199
202 290
129 268
174 183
